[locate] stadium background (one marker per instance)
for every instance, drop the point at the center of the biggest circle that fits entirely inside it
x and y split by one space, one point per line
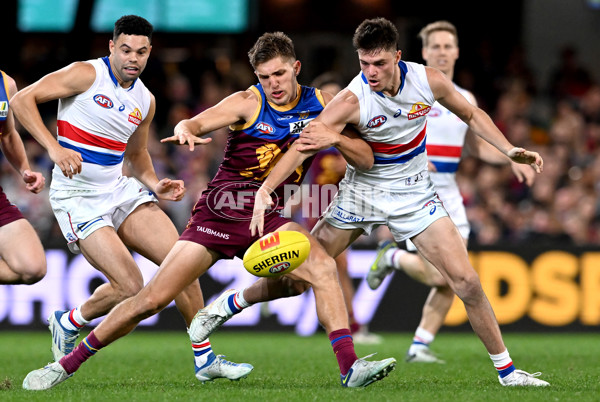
532 64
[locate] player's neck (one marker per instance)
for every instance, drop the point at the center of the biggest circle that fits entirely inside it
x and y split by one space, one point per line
394 87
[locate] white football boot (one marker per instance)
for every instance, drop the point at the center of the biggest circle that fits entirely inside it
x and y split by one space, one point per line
423 355
520 378
45 378
363 373
380 268
218 367
211 317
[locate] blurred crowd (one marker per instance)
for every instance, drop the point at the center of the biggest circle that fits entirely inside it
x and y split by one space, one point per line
560 120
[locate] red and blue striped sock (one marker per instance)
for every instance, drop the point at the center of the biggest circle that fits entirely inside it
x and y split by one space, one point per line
503 363
236 303
73 320
86 349
202 352
343 347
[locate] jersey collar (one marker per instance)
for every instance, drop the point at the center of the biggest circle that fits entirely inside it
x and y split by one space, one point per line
112 76
403 72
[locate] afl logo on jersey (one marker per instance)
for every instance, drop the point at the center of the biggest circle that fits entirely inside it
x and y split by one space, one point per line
435 112
103 101
264 128
377 121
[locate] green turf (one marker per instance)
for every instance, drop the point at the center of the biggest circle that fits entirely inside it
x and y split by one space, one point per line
147 366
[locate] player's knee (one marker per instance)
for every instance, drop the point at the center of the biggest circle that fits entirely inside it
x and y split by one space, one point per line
33 277
128 289
468 287
33 273
325 271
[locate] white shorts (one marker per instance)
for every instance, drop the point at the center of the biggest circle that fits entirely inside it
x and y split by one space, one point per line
81 212
405 212
453 202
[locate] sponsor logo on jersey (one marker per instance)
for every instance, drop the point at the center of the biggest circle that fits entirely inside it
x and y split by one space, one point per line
417 110
297 126
346 216
3 109
103 101
432 205
135 117
398 113
304 114
264 128
286 117
212 232
377 121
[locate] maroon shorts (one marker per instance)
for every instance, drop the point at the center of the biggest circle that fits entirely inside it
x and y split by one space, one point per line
226 231
8 212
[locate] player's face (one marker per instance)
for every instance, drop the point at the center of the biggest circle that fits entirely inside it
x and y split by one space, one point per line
380 67
441 51
128 57
278 79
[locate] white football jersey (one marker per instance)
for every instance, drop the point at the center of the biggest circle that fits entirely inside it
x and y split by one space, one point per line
395 127
98 123
445 140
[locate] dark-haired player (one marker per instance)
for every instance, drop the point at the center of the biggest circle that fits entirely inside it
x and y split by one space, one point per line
388 103
104 113
264 120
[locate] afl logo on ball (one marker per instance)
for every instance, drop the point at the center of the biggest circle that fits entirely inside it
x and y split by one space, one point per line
103 101
277 268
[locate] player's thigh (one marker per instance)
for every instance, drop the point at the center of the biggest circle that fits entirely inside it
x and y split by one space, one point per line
21 247
105 251
334 240
149 231
442 245
185 263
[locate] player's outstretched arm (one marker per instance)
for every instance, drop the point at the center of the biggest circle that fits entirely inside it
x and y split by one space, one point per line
237 107
477 147
66 82
478 120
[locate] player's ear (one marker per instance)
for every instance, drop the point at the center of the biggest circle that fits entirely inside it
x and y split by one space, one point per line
398 55
297 67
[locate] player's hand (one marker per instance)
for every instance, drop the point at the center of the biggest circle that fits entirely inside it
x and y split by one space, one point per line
521 155
523 173
181 135
262 202
431 167
172 190
34 181
67 160
316 137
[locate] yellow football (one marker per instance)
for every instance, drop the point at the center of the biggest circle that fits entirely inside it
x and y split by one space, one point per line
276 254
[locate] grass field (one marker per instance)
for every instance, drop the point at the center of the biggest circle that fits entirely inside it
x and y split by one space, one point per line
147 366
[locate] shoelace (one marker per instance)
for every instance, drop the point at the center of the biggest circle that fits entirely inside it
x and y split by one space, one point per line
226 362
